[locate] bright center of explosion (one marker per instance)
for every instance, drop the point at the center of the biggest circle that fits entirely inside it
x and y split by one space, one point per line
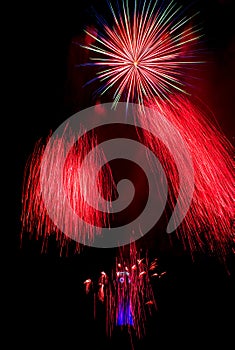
135 63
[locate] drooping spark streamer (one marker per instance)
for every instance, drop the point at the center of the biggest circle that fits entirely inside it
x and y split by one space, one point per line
208 223
127 293
147 51
35 218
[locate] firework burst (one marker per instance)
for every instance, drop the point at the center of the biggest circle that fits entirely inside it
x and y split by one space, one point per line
142 55
145 53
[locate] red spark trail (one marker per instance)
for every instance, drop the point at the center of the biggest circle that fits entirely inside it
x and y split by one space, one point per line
35 218
208 223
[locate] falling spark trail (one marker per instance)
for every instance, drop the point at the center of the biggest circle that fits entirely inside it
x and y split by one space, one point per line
35 218
208 223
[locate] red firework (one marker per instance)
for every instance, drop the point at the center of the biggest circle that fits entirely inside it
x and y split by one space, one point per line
208 224
142 55
146 52
35 218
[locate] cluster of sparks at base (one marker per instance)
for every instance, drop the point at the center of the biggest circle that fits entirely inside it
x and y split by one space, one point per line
127 293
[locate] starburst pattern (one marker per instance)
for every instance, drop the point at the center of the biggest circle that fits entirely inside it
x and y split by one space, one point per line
144 54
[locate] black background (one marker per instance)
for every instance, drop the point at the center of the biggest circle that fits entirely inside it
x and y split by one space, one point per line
48 306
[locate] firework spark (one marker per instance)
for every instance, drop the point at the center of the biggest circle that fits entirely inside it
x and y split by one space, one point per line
145 53
35 218
127 294
208 223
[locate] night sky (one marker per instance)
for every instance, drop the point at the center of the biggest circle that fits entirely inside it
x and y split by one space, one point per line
196 298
